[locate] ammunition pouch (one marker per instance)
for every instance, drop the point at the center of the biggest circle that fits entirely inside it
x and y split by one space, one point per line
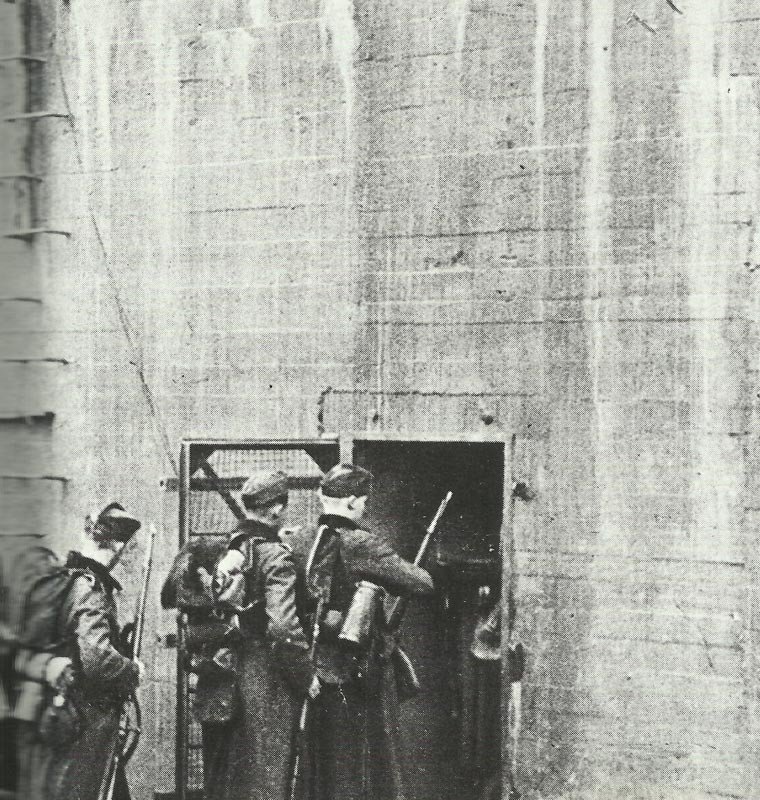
32 692
60 723
206 634
222 661
47 705
216 698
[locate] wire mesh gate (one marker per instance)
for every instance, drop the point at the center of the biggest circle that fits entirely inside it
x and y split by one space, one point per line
212 473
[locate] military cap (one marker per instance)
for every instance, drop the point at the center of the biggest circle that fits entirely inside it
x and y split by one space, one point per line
115 523
347 480
264 487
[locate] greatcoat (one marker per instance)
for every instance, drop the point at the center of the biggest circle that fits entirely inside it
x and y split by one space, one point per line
353 751
105 678
252 759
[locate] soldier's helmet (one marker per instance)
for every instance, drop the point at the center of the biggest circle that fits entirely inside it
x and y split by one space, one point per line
264 487
347 480
113 522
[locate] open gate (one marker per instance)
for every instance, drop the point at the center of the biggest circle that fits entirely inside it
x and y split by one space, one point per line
455 727
212 473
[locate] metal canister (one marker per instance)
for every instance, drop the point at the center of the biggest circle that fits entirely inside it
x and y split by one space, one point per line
30 699
361 616
486 644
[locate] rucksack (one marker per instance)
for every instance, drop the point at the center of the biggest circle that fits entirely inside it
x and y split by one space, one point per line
44 584
182 588
40 620
206 627
23 572
208 646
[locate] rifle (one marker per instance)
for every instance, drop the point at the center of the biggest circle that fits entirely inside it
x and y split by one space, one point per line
300 739
128 735
398 607
407 682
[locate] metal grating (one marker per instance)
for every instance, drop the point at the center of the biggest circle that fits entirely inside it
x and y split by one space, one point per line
212 474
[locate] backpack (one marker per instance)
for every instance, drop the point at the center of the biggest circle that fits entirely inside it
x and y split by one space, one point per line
44 585
183 588
208 646
40 619
23 572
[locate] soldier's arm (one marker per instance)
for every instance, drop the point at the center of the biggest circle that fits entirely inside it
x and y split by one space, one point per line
285 632
99 660
377 561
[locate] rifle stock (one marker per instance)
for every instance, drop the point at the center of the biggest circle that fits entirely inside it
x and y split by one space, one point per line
300 737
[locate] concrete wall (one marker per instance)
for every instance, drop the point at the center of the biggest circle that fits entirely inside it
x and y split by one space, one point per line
30 484
472 218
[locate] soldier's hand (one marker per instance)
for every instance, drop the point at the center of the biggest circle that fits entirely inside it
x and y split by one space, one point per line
229 581
315 688
232 591
229 565
55 669
231 562
206 578
332 621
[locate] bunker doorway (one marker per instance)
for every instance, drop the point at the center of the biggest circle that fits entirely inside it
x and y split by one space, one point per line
450 734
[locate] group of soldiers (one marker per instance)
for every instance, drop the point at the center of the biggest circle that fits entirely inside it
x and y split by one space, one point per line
286 634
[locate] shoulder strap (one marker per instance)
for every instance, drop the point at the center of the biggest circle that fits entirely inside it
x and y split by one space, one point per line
51 625
250 551
313 552
73 574
323 591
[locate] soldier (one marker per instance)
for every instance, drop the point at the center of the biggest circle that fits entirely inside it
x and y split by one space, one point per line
70 764
276 672
487 649
351 750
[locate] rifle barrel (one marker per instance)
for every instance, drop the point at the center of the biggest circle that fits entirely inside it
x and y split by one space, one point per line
143 599
422 552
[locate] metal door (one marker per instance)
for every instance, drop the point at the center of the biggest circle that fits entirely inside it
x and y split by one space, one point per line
211 475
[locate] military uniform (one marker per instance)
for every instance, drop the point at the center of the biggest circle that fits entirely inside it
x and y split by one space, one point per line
105 677
206 634
275 673
274 664
353 750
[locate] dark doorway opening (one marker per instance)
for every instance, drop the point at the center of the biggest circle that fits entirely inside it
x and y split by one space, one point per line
451 732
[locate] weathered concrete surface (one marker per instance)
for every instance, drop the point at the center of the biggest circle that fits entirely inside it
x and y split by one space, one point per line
449 213
30 484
